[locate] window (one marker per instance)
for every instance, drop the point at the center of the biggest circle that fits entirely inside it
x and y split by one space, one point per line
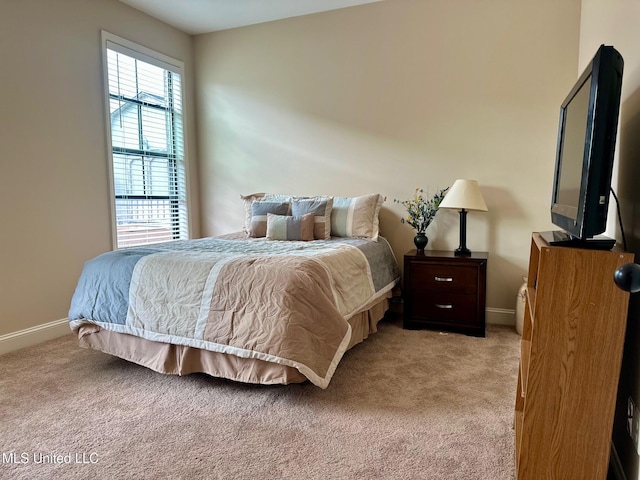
146 138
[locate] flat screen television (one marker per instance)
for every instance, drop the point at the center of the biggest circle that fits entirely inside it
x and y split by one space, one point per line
585 153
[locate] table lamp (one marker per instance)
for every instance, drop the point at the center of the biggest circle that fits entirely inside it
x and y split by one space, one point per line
464 195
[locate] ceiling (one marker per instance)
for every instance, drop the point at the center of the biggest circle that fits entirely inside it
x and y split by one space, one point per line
203 16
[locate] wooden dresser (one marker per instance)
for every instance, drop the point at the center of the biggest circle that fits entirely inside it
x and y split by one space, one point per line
571 351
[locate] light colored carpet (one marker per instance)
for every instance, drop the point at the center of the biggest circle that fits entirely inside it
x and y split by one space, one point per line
402 405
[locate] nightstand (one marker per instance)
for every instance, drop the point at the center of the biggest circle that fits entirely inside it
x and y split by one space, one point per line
444 291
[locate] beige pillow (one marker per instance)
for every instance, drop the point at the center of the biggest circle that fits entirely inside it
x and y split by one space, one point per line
356 216
290 227
247 200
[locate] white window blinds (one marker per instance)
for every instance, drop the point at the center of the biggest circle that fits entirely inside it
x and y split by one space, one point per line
147 148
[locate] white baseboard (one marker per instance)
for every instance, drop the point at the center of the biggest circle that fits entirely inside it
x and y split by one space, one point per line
31 336
500 316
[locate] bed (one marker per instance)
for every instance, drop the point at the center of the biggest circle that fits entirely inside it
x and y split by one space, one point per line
256 309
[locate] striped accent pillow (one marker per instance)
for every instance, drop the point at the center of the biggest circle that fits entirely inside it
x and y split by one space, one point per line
248 200
321 209
356 216
280 227
259 212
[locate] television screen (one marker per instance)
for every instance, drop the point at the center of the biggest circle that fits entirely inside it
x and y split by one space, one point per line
572 151
585 153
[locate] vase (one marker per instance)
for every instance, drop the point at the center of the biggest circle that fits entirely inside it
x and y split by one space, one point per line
421 241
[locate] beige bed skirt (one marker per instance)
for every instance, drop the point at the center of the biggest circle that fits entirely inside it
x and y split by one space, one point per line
182 360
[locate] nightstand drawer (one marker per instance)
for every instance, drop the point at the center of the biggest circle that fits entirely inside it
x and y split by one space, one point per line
454 308
445 278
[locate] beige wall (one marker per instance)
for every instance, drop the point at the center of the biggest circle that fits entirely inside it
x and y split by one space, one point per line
391 96
378 98
54 200
615 22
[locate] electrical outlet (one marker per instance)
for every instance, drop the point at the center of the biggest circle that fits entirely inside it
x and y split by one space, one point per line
636 430
631 408
633 423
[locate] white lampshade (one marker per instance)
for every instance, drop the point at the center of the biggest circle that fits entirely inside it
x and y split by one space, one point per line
464 194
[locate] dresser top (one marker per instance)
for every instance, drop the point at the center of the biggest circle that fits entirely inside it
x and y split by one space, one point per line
447 254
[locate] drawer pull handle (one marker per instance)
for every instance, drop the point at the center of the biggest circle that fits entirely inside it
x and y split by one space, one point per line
444 279
444 306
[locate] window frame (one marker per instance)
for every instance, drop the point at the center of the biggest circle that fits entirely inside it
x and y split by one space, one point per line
139 52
